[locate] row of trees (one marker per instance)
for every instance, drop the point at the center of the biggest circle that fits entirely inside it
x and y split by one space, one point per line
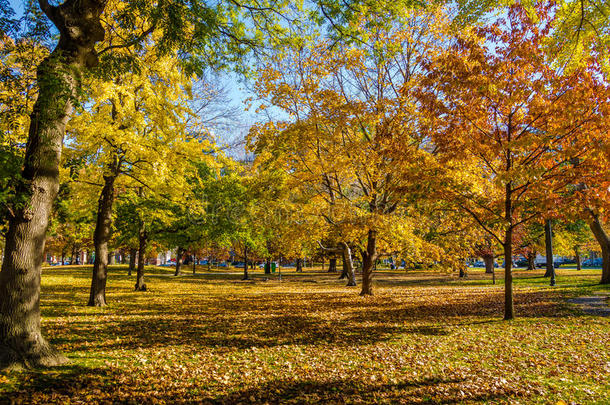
397 135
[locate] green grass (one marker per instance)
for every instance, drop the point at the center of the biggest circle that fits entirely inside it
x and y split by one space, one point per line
423 338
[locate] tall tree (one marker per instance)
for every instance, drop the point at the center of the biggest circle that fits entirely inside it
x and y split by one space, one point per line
509 125
348 105
204 33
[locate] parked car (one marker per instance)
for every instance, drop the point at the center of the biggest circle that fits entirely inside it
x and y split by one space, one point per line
593 262
542 264
521 263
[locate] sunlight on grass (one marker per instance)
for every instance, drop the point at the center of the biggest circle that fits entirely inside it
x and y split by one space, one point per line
423 337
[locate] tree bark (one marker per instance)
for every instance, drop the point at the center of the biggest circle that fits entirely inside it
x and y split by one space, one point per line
132 260
489 263
604 242
509 308
179 253
332 265
101 236
577 254
548 242
246 276
143 238
531 260
72 254
369 257
194 263
348 265
299 265
21 340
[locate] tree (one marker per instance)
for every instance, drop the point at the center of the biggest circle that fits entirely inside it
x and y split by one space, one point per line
348 106
508 125
147 140
205 34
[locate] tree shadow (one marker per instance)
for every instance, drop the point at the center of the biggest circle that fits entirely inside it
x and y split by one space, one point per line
75 384
342 391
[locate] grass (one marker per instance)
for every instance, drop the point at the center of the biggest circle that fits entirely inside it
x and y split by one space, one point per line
423 338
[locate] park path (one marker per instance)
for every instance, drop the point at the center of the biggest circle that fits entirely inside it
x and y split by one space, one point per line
597 304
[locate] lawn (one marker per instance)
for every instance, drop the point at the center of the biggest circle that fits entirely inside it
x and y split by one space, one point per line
423 338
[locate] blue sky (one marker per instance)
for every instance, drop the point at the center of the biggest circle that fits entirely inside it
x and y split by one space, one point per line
237 92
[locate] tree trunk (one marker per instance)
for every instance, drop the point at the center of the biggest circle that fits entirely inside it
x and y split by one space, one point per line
509 308
577 254
246 276
132 260
179 253
604 242
332 265
531 260
548 242
299 265
344 271
194 263
369 257
489 263
101 236
72 254
348 265
112 258
143 237
21 340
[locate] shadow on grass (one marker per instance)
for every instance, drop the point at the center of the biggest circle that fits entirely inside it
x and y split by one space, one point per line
287 319
108 385
336 391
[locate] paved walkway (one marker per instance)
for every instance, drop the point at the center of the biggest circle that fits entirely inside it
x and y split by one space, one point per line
598 304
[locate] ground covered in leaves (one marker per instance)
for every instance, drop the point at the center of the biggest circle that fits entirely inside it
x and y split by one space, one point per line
423 338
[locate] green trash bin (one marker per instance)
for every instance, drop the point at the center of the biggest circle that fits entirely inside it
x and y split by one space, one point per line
273 267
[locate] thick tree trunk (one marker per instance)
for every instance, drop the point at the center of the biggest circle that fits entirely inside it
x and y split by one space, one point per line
21 340
179 253
332 265
548 242
132 260
369 257
101 236
348 265
489 263
577 254
531 260
604 242
299 265
246 276
143 237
